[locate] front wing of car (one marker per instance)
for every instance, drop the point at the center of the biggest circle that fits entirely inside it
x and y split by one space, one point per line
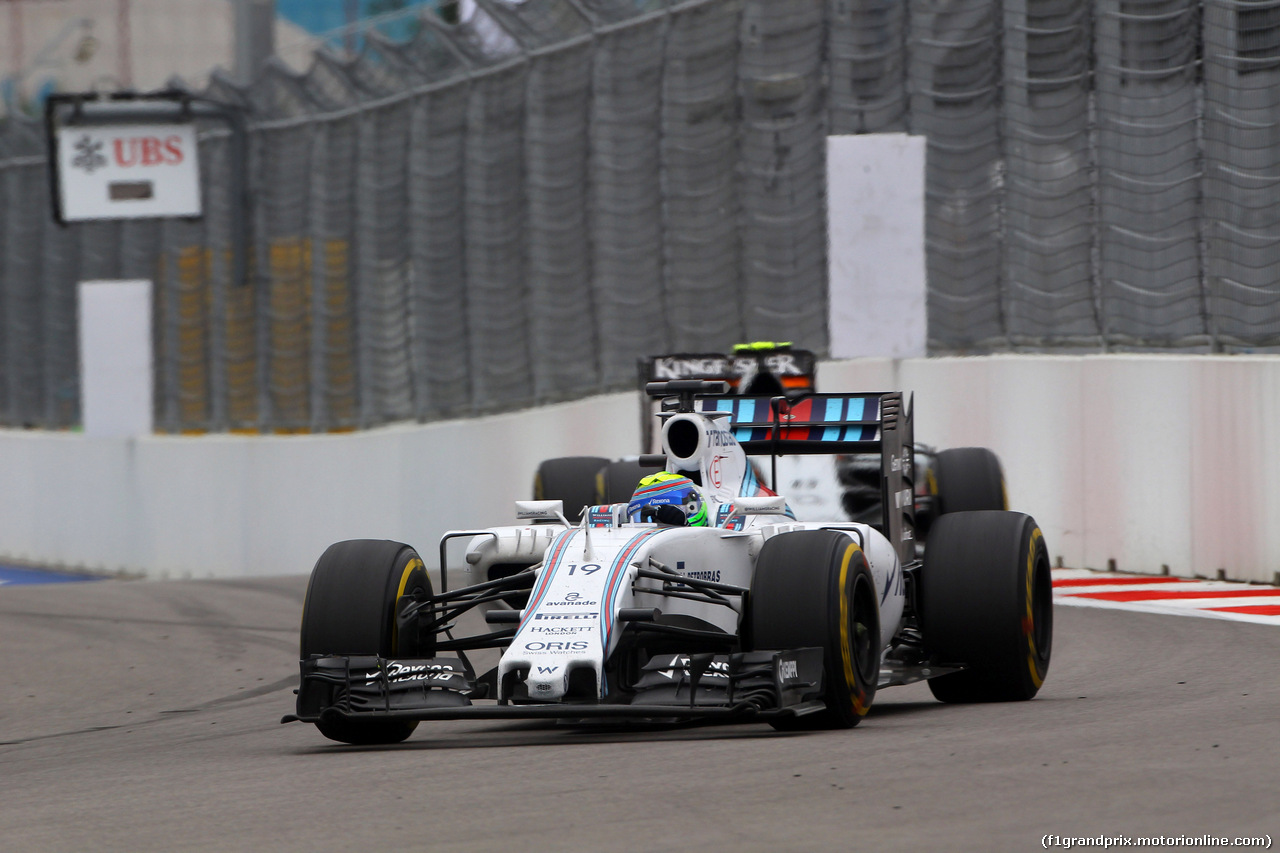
757 685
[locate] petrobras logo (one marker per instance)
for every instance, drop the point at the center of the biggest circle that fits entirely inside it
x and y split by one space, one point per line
719 438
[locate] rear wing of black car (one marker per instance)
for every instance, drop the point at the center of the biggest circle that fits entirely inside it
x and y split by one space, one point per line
836 423
795 369
764 368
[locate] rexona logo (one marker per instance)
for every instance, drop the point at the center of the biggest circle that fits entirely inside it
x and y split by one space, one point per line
398 673
567 646
680 663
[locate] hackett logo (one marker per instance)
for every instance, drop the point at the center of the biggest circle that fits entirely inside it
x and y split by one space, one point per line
147 151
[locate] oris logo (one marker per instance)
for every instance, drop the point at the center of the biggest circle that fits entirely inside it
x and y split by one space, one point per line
574 646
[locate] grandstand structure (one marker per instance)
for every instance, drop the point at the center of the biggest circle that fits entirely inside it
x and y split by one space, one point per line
508 209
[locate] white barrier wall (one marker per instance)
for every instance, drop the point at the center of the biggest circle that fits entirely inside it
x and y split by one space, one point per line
1145 460
233 505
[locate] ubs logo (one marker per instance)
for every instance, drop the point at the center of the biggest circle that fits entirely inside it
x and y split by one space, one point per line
88 155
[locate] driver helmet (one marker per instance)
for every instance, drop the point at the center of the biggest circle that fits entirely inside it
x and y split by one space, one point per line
667 489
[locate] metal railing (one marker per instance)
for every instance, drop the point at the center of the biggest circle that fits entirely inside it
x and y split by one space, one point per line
510 210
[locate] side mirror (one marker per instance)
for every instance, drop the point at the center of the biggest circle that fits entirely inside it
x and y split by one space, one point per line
548 510
767 505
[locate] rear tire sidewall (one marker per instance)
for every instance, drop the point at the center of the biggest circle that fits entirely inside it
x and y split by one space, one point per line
815 589
987 603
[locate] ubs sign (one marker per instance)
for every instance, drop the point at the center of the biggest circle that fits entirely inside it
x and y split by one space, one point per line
128 171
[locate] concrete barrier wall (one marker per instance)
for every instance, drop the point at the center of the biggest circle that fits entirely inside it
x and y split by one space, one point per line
1149 461
232 505
1145 460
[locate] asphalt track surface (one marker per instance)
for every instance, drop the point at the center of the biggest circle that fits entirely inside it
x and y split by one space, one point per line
143 716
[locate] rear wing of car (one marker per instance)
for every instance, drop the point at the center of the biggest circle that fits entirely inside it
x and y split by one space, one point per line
760 368
794 368
809 424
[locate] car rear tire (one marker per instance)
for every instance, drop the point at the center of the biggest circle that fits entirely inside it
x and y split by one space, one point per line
813 588
571 479
350 609
968 479
987 603
618 480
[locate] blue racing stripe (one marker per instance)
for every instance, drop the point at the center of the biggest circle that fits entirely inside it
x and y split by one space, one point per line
614 585
833 414
551 562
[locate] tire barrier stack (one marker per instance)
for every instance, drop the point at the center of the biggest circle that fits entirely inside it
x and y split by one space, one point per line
510 210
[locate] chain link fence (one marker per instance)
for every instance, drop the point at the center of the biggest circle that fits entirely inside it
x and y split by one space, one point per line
510 210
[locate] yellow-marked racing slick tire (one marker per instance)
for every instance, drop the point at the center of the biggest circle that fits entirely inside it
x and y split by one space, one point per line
572 479
986 601
967 479
813 588
350 609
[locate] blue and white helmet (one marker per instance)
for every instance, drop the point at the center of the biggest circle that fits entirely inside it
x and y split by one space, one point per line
667 489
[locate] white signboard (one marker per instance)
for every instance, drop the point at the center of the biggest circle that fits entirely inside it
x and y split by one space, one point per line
115 358
128 171
875 231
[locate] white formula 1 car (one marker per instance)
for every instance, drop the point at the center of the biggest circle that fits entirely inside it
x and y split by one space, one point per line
635 613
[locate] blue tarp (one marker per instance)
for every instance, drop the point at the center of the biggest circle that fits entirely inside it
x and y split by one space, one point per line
11 576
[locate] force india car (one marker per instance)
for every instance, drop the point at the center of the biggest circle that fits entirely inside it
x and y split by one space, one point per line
956 479
754 617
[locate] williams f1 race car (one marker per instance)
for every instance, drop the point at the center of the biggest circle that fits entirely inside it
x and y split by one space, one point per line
700 599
